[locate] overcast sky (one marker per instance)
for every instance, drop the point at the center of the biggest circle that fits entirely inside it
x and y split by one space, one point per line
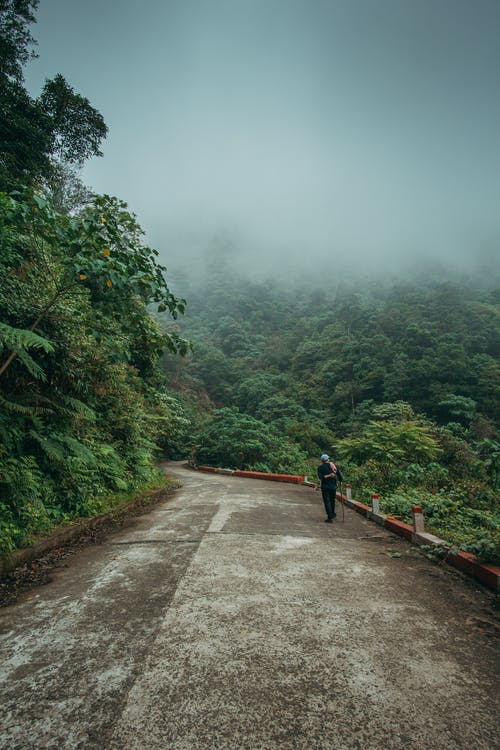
358 131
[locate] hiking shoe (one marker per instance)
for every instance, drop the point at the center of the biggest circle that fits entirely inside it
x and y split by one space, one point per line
328 520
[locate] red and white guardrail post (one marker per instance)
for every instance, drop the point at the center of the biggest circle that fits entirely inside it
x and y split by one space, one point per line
418 520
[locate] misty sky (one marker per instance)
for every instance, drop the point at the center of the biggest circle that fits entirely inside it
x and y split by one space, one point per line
358 131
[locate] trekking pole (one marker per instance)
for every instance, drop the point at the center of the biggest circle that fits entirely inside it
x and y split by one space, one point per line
342 502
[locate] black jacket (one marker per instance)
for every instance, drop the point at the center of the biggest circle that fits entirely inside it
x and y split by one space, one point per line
331 482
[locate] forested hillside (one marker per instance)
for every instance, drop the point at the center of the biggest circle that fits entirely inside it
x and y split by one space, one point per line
398 381
82 402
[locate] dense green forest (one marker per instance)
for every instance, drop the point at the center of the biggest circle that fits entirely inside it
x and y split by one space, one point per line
399 381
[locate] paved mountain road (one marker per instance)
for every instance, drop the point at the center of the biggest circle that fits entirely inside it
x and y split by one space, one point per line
233 618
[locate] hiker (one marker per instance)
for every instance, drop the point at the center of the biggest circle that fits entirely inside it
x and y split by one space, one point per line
328 474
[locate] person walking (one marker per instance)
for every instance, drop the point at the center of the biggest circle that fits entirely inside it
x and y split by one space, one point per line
328 474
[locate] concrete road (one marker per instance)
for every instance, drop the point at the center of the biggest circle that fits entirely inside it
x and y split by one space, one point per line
233 617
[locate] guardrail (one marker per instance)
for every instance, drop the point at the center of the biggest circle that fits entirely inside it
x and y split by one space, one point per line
485 573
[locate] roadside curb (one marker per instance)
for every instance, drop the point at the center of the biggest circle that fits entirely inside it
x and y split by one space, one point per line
65 536
291 478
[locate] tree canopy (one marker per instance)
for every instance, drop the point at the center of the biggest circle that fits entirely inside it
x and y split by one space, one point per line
59 126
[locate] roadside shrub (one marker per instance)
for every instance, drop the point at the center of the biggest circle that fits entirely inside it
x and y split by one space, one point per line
239 441
448 516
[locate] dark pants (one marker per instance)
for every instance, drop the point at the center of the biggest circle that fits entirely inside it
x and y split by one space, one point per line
329 496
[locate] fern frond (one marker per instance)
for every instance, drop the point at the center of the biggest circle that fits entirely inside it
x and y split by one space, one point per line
58 446
120 484
37 423
32 366
80 408
68 406
16 407
52 448
79 450
21 339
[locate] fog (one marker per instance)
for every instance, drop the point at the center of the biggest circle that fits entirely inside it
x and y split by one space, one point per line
291 136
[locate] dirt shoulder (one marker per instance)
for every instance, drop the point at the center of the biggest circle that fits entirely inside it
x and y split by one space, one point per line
37 566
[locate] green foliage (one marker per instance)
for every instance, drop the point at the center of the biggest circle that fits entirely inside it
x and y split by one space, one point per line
458 455
397 412
414 345
64 189
16 40
255 389
19 341
489 451
394 444
174 426
27 500
451 516
98 253
81 411
312 438
459 408
239 441
280 410
77 128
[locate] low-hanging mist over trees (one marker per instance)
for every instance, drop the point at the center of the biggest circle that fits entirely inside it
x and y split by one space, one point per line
399 381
